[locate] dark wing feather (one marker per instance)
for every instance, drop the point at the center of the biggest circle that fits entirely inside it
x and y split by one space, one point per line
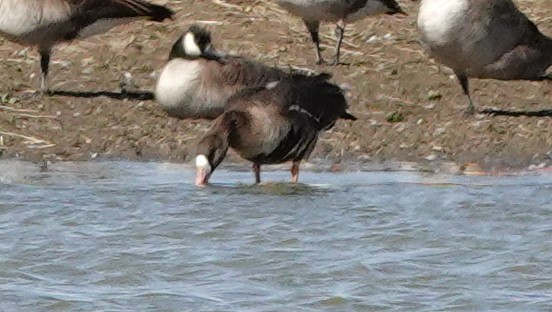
318 98
239 71
355 5
92 10
308 104
313 96
296 145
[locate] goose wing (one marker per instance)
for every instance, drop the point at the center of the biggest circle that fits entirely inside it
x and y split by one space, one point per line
238 71
275 130
354 5
319 99
97 16
285 117
108 9
515 47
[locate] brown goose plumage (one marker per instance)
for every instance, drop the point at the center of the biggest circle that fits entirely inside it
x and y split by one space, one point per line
275 123
45 23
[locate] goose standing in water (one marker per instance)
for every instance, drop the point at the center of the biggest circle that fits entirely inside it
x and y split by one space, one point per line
45 23
272 124
197 81
484 39
339 11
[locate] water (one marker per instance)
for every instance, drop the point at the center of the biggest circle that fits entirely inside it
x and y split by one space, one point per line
122 236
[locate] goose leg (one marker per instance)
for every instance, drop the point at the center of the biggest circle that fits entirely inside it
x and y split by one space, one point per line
44 67
464 82
295 171
339 32
257 172
313 27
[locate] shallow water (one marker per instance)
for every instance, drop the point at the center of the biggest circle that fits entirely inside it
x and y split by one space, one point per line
123 236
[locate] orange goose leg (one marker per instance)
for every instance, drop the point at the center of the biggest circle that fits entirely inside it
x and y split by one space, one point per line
257 171
295 172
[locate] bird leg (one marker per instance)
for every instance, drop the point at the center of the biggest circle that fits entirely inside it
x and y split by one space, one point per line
295 171
339 32
464 82
257 172
44 66
313 27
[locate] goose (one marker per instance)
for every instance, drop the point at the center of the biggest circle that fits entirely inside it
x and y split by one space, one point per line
275 123
197 80
46 23
340 11
484 39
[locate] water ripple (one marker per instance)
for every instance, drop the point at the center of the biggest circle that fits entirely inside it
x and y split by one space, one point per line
122 236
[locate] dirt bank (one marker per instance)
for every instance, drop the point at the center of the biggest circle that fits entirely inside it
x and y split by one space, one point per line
408 109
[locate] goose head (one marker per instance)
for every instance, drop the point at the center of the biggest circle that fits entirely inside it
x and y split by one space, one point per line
193 44
211 151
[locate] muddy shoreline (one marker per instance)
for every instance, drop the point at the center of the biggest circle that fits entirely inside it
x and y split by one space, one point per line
409 109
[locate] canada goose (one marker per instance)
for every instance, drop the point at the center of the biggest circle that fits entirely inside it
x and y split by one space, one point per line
197 81
45 23
484 39
275 123
339 11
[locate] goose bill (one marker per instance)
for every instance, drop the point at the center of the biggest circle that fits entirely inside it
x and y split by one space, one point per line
202 177
210 53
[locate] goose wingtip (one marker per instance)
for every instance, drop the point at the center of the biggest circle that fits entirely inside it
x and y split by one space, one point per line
161 13
348 116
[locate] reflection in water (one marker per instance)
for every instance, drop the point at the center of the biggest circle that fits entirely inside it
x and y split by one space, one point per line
123 236
272 188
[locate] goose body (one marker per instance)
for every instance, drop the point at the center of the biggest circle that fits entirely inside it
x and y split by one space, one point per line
335 10
45 23
339 11
276 123
484 39
196 82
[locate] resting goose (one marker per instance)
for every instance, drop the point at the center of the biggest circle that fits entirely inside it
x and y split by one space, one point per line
272 124
197 81
339 11
45 23
484 39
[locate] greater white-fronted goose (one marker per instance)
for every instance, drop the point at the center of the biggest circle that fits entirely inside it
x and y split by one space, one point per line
197 81
45 23
484 39
275 123
340 11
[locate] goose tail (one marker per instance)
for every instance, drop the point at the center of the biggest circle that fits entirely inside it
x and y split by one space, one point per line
160 13
136 8
348 116
322 99
548 49
154 12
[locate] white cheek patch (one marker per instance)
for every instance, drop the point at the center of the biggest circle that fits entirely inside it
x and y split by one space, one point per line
272 85
190 46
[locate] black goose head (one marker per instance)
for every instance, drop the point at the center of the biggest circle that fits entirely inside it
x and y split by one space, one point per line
193 44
